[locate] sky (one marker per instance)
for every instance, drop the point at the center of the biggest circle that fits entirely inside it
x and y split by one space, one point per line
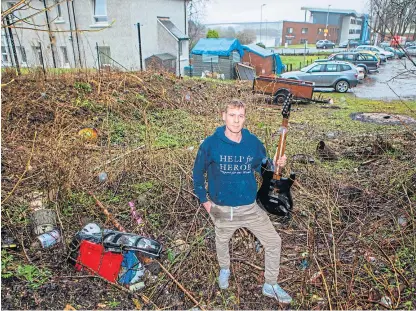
230 11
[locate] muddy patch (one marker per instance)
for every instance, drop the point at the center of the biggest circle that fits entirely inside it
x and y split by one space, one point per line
382 118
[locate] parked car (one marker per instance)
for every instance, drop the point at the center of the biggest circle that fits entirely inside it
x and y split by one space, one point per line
349 44
410 43
411 50
339 75
384 44
364 60
325 44
387 54
400 54
381 58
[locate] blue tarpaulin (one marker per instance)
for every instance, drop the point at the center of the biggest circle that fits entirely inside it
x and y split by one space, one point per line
254 48
220 47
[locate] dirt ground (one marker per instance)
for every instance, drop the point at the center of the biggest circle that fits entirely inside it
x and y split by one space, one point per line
350 243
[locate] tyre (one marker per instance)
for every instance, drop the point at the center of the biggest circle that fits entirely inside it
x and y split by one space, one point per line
280 96
342 86
324 47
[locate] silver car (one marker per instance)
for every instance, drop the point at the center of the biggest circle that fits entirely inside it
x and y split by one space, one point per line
387 54
336 74
411 50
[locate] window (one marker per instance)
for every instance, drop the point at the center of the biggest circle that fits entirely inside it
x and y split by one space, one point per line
352 21
4 55
339 57
320 30
58 9
357 31
351 31
14 15
100 11
289 30
317 68
345 67
65 59
38 54
23 54
105 55
349 57
331 68
304 30
302 41
359 22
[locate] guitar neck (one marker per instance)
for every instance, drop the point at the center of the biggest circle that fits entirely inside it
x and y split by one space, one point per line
281 148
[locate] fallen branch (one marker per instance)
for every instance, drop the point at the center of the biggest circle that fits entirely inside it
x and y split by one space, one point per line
107 213
180 286
119 157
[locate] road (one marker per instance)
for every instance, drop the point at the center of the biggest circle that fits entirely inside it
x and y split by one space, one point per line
397 78
309 50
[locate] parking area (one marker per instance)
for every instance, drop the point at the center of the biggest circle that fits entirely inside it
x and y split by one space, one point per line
396 78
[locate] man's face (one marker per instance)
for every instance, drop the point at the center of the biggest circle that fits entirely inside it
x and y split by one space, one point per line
234 119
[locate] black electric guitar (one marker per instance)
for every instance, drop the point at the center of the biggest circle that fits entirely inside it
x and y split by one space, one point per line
274 194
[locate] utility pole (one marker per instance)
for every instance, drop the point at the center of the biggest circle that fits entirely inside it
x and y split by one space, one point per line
140 46
50 34
261 18
13 46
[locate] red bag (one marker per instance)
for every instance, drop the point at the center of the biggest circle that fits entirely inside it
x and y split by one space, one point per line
93 256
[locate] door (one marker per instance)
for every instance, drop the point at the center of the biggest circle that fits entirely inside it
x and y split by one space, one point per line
314 74
330 74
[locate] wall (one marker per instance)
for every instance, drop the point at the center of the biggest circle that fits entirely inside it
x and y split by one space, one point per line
260 63
121 36
312 36
224 66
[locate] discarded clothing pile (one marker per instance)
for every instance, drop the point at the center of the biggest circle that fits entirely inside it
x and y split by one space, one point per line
114 255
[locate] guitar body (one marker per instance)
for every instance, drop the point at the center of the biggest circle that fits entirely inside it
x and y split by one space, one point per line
274 195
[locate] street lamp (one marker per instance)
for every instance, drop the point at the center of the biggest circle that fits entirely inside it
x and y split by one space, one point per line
261 18
327 17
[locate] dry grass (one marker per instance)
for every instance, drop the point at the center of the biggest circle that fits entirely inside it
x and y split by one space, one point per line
346 210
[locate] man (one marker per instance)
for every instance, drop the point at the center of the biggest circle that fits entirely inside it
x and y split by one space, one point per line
230 157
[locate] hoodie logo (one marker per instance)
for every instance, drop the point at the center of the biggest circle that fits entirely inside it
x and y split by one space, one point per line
235 164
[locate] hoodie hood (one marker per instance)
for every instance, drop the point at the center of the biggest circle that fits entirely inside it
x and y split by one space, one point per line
220 133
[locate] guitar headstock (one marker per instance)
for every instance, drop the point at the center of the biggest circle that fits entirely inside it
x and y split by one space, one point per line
286 106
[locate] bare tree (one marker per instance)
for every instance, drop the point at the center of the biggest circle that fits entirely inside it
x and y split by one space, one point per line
246 36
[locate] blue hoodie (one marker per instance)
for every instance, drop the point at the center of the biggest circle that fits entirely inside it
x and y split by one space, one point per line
230 167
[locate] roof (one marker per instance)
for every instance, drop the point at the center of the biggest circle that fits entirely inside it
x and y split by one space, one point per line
164 56
167 23
220 47
257 50
325 10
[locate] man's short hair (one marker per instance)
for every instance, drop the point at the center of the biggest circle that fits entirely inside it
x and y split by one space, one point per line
234 103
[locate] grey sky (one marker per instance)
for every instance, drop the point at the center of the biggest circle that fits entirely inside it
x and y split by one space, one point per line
222 11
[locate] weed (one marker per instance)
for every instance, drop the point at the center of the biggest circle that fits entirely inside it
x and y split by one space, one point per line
35 276
142 187
7 269
83 87
113 304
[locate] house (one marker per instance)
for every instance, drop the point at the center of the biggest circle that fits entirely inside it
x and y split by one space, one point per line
92 33
264 61
216 55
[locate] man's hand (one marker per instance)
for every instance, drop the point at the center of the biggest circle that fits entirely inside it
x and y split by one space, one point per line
281 162
207 205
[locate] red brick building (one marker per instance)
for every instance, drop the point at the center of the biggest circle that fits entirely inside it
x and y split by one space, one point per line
298 32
